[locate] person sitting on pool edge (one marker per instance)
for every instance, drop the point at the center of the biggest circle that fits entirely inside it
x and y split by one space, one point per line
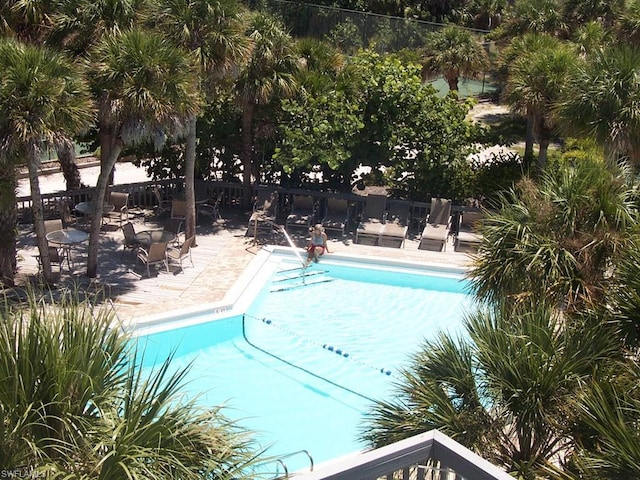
317 244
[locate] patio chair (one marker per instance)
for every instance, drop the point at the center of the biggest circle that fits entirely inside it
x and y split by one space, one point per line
337 215
467 238
176 255
120 202
211 210
370 226
436 231
155 255
178 209
396 226
68 219
130 241
57 254
264 213
303 212
162 206
174 225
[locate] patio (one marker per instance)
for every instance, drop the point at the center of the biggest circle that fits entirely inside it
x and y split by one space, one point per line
223 252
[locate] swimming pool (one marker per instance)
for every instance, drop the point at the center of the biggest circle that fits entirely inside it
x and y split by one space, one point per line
307 356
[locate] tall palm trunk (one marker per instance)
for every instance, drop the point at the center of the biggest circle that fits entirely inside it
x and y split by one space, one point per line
111 146
529 138
247 150
67 158
8 221
38 215
189 179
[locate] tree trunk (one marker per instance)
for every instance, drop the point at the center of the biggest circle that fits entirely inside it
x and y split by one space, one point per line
247 148
8 221
542 154
529 138
189 179
70 171
38 214
452 81
110 147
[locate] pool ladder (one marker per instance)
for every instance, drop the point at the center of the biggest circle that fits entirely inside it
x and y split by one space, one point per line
298 277
277 475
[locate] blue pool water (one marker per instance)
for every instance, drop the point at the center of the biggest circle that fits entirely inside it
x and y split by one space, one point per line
306 361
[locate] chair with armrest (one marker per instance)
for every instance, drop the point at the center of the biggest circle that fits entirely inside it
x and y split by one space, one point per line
156 254
436 231
120 213
264 213
130 242
176 255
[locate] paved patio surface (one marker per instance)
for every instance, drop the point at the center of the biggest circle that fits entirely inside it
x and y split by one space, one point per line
222 254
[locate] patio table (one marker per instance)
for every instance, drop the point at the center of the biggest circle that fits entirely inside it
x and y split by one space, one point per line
66 239
147 237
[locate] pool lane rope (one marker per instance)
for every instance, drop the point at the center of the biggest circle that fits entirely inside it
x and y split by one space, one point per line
326 346
308 372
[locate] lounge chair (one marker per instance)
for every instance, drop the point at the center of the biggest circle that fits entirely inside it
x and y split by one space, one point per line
436 231
120 212
155 255
303 212
337 215
370 226
394 231
176 255
264 213
468 238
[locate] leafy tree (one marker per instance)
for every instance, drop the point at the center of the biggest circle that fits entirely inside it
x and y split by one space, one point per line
379 114
506 391
557 239
75 403
454 52
601 100
146 88
43 103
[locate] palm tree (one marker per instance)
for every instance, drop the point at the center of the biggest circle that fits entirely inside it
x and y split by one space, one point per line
267 77
44 103
611 409
558 238
532 16
505 391
145 89
76 403
212 30
601 101
538 67
453 52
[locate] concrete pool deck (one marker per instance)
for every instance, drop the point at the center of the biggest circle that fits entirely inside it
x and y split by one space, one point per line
222 255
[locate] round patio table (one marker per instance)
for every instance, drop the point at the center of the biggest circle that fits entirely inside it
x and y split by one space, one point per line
69 236
86 208
147 237
66 239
